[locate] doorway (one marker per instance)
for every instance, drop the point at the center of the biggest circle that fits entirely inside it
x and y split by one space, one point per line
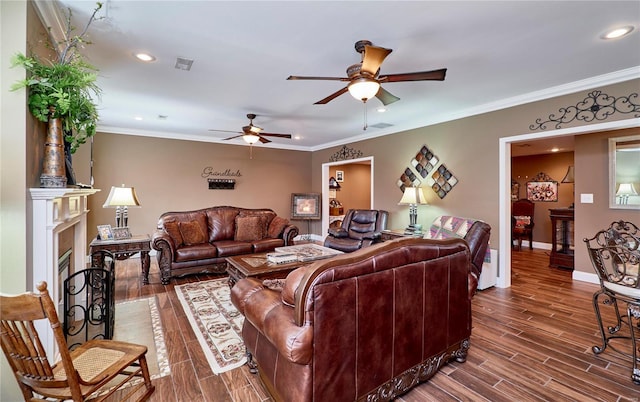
504 177
325 186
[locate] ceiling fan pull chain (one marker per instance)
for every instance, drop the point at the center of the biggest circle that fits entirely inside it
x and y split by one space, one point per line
364 105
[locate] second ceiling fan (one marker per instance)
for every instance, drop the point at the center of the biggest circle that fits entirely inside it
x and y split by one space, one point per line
364 78
252 133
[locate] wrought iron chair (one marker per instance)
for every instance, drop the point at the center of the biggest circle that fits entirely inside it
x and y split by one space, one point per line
522 222
615 255
95 369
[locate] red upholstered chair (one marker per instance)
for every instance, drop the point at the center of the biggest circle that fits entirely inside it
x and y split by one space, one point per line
522 222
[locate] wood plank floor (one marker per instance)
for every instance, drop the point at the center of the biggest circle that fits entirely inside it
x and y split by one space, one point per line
531 342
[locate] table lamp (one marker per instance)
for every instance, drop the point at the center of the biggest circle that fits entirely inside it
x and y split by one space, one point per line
121 198
625 191
413 196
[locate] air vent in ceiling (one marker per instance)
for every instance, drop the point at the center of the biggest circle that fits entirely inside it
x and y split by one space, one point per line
183 64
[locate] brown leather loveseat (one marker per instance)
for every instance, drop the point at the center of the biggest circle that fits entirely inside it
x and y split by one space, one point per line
368 325
199 241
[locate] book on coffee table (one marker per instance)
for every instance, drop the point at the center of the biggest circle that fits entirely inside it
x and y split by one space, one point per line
309 252
282 258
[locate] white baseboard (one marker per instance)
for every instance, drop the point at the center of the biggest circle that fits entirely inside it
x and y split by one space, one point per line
585 277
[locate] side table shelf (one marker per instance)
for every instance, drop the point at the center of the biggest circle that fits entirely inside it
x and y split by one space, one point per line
562 243
123 249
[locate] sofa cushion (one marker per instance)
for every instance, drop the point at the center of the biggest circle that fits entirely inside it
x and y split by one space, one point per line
264 245
222 223
196 252
227 248
250 228
192 233
172 228
276 227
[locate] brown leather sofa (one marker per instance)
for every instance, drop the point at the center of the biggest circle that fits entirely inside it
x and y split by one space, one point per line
199 241
368 325
359 228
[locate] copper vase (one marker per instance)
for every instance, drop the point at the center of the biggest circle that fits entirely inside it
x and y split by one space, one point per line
53 165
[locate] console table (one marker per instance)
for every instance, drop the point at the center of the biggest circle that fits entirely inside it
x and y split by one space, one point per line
125 248
562 238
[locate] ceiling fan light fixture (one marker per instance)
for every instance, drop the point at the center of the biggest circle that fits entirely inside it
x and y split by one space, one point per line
363 88
250 138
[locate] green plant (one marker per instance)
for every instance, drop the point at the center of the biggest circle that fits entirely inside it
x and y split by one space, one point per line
64 88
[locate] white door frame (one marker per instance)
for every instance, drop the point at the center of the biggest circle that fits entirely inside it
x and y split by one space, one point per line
504 152
325 188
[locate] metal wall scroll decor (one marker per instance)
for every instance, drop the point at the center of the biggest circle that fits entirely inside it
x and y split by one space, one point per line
345 153
596 106
542 188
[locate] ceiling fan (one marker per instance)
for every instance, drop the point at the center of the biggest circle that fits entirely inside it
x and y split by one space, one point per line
364 79
252 133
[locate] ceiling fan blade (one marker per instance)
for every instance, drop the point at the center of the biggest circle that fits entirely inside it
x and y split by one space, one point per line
297 77
434 75
332 96
235 136
386 97
225 131
276 135
264 140
373 58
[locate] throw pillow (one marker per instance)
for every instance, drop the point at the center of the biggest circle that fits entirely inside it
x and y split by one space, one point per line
173 230
522 221
276 227
249 228
192 233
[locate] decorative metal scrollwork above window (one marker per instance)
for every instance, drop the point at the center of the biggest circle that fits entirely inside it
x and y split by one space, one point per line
345 153
596 106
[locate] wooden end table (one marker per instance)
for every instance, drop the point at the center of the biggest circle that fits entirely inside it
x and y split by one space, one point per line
257 266
123 249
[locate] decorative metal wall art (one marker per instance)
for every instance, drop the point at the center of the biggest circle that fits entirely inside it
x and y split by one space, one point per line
542 188
424 162
444 181
408 179
596 106
345 153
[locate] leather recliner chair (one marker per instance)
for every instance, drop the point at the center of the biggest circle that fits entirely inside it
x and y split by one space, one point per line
360 228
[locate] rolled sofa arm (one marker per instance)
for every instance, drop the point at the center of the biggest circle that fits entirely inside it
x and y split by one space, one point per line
165 247
289 233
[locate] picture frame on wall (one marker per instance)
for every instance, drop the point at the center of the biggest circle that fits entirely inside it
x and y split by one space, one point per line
305 206
542 191
515 190
339 176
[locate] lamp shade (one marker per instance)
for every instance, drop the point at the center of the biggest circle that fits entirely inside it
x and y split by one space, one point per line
568 177
122 197
363 88
250 138
626 189
413 196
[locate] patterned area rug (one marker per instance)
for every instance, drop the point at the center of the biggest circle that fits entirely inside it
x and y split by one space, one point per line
138 321
215 321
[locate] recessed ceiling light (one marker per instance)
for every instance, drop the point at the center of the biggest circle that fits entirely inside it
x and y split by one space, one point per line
617 32
137 118
555 149
296 137
146 57
381 109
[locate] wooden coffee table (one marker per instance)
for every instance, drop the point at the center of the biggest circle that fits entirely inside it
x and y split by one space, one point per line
256 266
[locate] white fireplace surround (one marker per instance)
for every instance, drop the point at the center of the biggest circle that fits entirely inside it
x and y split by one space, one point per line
56 210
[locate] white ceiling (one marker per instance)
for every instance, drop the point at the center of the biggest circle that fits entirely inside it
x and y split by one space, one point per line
497 54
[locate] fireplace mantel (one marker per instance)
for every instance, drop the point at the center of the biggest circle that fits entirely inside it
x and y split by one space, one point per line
55 210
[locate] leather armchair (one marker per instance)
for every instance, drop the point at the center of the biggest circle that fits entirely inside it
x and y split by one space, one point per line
360 228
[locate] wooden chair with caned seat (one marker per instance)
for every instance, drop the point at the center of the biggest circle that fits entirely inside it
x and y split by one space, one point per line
95 370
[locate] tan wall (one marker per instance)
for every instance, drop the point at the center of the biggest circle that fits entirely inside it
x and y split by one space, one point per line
167 176
592 177
355 191
524 168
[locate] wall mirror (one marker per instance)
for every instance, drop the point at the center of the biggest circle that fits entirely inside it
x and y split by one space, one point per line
624 172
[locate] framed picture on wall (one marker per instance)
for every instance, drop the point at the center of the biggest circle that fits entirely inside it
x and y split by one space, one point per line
305 206
339 176
542 191
515 190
